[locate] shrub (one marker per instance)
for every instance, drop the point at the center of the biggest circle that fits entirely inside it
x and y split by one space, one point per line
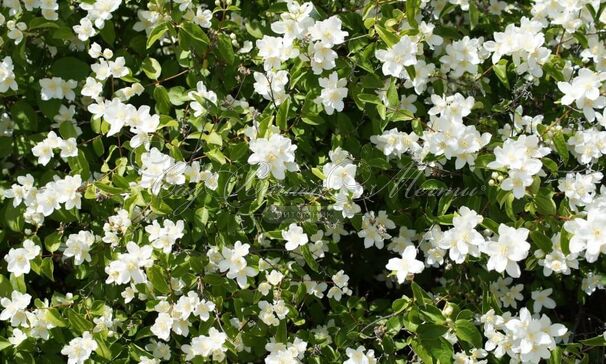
281 182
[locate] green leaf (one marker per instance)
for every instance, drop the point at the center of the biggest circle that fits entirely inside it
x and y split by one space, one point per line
13 217
213 138
67 130
5 286
41 23
216 155
78 322
544 202
411 12
541 241
157 277
226 51
474 15
108 33
565 240
6 146
282 115
431 331
594 341
70 68
191 36
440 349
432 314
433 184
468 332
162 100
500 70
387 36
24 116
560 145
102 348
53 316
281 333
156 33
47 268
552 70
309 259
152 68
4 343
370 98
419 294
556 356
18 283
400 304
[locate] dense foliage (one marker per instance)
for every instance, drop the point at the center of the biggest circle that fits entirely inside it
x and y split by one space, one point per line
331 182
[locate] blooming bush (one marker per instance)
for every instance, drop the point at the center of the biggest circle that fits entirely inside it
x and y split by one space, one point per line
331 182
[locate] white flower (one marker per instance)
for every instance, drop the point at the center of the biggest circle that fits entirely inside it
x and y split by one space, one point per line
462 56
462 240
162 326
233 262
21 191
322 57
541 299
524 44
328 31
17 337
79 245
271 85
294 24
275 155
522 158
584 90
52 88
203 93
360 356
397 57
406 265
69 148
14 308
275 50
206 346
16 30
92 88
294 236
556 261
203 309
117 67
517 182
202 17
589 234
340 288
159 350
68 191
591 282
394 142
580 189
510 248
160 170
333 92
274 277
374 229
7 75
19 259
80 349
85 29
533 338
128 266
165 237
